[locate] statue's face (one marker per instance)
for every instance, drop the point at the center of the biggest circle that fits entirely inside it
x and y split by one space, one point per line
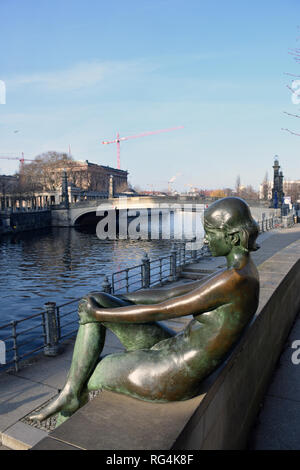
218 242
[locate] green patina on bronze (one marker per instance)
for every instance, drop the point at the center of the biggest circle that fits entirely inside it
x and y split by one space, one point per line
158 364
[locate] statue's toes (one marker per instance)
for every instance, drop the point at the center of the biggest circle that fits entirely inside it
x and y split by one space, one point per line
37 417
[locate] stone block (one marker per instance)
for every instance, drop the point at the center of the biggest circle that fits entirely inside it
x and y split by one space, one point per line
20 436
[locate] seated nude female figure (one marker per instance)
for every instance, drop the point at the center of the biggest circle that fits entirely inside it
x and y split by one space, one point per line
158 364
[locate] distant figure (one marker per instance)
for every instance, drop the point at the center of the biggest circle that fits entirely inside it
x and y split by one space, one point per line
160 365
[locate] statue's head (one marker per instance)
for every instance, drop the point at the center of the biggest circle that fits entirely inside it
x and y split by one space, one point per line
228 222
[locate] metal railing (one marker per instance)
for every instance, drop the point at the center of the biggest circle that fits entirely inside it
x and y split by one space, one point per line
270 223
44 330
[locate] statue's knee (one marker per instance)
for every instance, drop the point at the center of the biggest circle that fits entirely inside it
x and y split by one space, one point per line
82 308
99 297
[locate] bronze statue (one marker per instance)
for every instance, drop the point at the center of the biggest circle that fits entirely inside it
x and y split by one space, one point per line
158 364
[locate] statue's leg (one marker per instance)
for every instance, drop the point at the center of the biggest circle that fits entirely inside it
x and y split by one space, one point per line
88 346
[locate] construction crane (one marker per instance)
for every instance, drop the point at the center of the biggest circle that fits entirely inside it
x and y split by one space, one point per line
21 160
119 139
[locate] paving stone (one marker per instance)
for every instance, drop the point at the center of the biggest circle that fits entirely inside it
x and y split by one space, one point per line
19 397
275 267
270 280
20 436
112 341
279 426
286 381
50 371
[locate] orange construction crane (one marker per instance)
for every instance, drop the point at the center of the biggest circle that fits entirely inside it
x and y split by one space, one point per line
21 160
119 139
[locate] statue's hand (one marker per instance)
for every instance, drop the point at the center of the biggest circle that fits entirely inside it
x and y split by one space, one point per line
87 308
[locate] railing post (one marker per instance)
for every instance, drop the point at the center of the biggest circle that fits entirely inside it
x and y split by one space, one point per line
127 280
179 260
194 255
173 263
160 271
145 271
15 346
106 286
51 344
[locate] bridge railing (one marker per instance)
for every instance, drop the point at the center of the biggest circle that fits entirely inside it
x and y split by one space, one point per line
43 331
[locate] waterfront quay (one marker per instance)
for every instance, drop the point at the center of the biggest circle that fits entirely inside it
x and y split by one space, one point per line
40 378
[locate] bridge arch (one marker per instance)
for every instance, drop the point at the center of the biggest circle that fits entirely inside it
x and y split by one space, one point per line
86 217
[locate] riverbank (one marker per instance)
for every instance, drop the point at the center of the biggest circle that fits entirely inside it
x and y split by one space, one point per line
22 221
38 382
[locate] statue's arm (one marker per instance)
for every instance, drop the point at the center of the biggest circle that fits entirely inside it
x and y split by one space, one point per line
215 292
154 296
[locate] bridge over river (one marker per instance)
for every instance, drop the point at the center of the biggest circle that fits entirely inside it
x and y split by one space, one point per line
146 207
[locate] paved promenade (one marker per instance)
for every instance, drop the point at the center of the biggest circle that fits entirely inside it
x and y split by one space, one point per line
42 378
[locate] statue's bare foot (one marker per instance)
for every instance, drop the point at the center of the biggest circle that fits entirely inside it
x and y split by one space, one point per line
66 401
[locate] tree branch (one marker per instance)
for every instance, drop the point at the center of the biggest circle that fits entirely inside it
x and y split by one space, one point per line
294 115
291 132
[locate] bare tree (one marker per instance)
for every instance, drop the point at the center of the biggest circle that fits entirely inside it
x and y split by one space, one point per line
248 192
294 87
44 173
292 189
228 192
265 187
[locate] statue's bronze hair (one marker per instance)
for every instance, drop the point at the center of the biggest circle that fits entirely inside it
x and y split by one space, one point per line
232 215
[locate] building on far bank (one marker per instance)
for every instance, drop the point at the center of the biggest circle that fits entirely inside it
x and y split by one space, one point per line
291 188
85 180
7 183
89 176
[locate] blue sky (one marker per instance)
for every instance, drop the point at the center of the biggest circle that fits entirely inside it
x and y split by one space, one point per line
76 72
